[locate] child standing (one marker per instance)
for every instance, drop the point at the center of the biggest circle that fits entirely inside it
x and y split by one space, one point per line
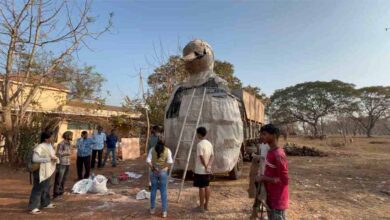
275 175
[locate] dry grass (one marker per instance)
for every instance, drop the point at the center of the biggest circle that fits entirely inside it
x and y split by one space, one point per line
351 183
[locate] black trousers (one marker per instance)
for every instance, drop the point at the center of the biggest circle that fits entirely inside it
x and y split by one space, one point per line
40 193
100 156
62 173
86 162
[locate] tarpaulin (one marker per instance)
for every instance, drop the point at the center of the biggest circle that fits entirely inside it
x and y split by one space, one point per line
220 116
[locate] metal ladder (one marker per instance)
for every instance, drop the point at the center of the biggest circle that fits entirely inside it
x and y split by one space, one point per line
180 141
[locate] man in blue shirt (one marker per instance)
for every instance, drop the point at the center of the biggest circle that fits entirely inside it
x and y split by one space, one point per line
99 139
84 150
156 134
111 141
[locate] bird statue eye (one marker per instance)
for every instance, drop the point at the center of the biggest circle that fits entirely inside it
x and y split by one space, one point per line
196 54
204 51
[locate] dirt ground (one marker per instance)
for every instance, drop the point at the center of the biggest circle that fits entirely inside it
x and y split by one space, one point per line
352 183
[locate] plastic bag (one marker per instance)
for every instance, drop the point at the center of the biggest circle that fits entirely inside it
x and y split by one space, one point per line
99 184
133 175
82 186
143 194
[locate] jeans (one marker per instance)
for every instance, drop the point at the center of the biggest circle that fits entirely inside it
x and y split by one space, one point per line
274 214
113 151
159 180
40 193
100 156
62 173
86 162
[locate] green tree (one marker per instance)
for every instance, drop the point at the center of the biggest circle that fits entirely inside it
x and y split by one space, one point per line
225 70
257 92
309 102
374 104
84 82
164 79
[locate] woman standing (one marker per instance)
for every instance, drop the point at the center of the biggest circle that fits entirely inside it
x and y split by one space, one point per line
63 153
159 160
43 155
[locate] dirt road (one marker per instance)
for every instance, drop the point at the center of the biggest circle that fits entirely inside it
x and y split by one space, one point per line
349 184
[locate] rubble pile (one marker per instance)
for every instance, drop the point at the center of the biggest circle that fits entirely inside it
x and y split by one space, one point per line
292 149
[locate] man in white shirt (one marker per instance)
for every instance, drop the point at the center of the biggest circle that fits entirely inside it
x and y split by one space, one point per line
260 194
203 164
264 148
99 140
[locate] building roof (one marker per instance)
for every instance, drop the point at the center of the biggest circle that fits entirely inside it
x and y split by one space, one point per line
95 106
34 79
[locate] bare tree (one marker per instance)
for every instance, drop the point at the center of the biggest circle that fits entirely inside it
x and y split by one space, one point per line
27 28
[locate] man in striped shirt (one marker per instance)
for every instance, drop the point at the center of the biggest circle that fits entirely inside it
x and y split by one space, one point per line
62 172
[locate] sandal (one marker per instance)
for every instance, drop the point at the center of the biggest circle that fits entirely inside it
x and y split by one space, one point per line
35 211
50 206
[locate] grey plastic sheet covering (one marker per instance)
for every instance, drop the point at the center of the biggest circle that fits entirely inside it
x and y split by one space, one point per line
220 116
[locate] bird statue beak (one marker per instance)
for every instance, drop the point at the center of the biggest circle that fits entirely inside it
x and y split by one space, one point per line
190 57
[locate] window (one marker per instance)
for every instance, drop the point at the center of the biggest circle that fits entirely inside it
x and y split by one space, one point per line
77 125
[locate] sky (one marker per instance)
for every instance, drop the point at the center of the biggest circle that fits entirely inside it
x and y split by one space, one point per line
272 44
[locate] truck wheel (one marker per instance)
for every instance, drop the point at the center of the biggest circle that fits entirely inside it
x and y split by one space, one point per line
237 170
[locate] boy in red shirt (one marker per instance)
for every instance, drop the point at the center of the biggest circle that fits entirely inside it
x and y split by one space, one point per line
275 176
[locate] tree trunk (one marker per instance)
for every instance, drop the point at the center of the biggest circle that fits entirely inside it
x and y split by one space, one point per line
315 130
369 132
9 133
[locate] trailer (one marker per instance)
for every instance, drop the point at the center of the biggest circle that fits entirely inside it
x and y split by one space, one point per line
253 116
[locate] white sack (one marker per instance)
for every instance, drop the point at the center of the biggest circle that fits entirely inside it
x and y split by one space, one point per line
82 186
133 175
99 184
143 194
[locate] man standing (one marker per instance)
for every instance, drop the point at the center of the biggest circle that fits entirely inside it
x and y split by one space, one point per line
99 140
154 137
84 148
257 169
112 139
203 164
62 171
275 175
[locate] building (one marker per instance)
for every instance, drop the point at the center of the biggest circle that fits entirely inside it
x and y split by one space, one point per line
51 99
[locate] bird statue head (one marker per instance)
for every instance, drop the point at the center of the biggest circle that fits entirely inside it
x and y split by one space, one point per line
198 56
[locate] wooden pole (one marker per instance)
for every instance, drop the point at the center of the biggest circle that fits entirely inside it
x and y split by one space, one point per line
146 112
